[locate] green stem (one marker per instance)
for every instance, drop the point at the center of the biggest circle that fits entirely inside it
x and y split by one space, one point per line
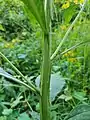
74 47
68 31
45 73
31 85
45 80
17 81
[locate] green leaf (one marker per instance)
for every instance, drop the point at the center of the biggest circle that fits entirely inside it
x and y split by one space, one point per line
7 111
1 28
9 90
81 112
2 107
23 116
68 13
87 56
53 115
79 95
35 115
3 118
56 84
36 7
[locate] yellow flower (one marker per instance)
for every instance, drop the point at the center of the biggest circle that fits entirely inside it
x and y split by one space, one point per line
63 27
70 53
15 41
72 59
75 1
66 5
81 1
12 43
78 1
8 45
65 55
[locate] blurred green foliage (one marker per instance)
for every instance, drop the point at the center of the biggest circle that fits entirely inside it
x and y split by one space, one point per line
20 41
13 22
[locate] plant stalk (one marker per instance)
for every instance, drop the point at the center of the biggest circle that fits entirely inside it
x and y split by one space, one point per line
46 66
45 80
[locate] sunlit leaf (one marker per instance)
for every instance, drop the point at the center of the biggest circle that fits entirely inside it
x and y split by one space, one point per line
68 13
1 28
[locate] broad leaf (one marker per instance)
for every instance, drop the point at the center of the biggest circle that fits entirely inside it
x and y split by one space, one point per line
36 7
23 116
35 115
56 84
81 112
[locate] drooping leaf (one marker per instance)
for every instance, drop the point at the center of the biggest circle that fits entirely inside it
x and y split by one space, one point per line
36 7
81 112
56 84
5 74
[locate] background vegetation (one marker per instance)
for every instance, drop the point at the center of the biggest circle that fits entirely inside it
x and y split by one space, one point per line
20 41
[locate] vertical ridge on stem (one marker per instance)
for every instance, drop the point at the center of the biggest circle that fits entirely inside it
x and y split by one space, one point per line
45 80
46 66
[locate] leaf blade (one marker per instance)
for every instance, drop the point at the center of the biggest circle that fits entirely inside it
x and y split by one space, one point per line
36 7
81 112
